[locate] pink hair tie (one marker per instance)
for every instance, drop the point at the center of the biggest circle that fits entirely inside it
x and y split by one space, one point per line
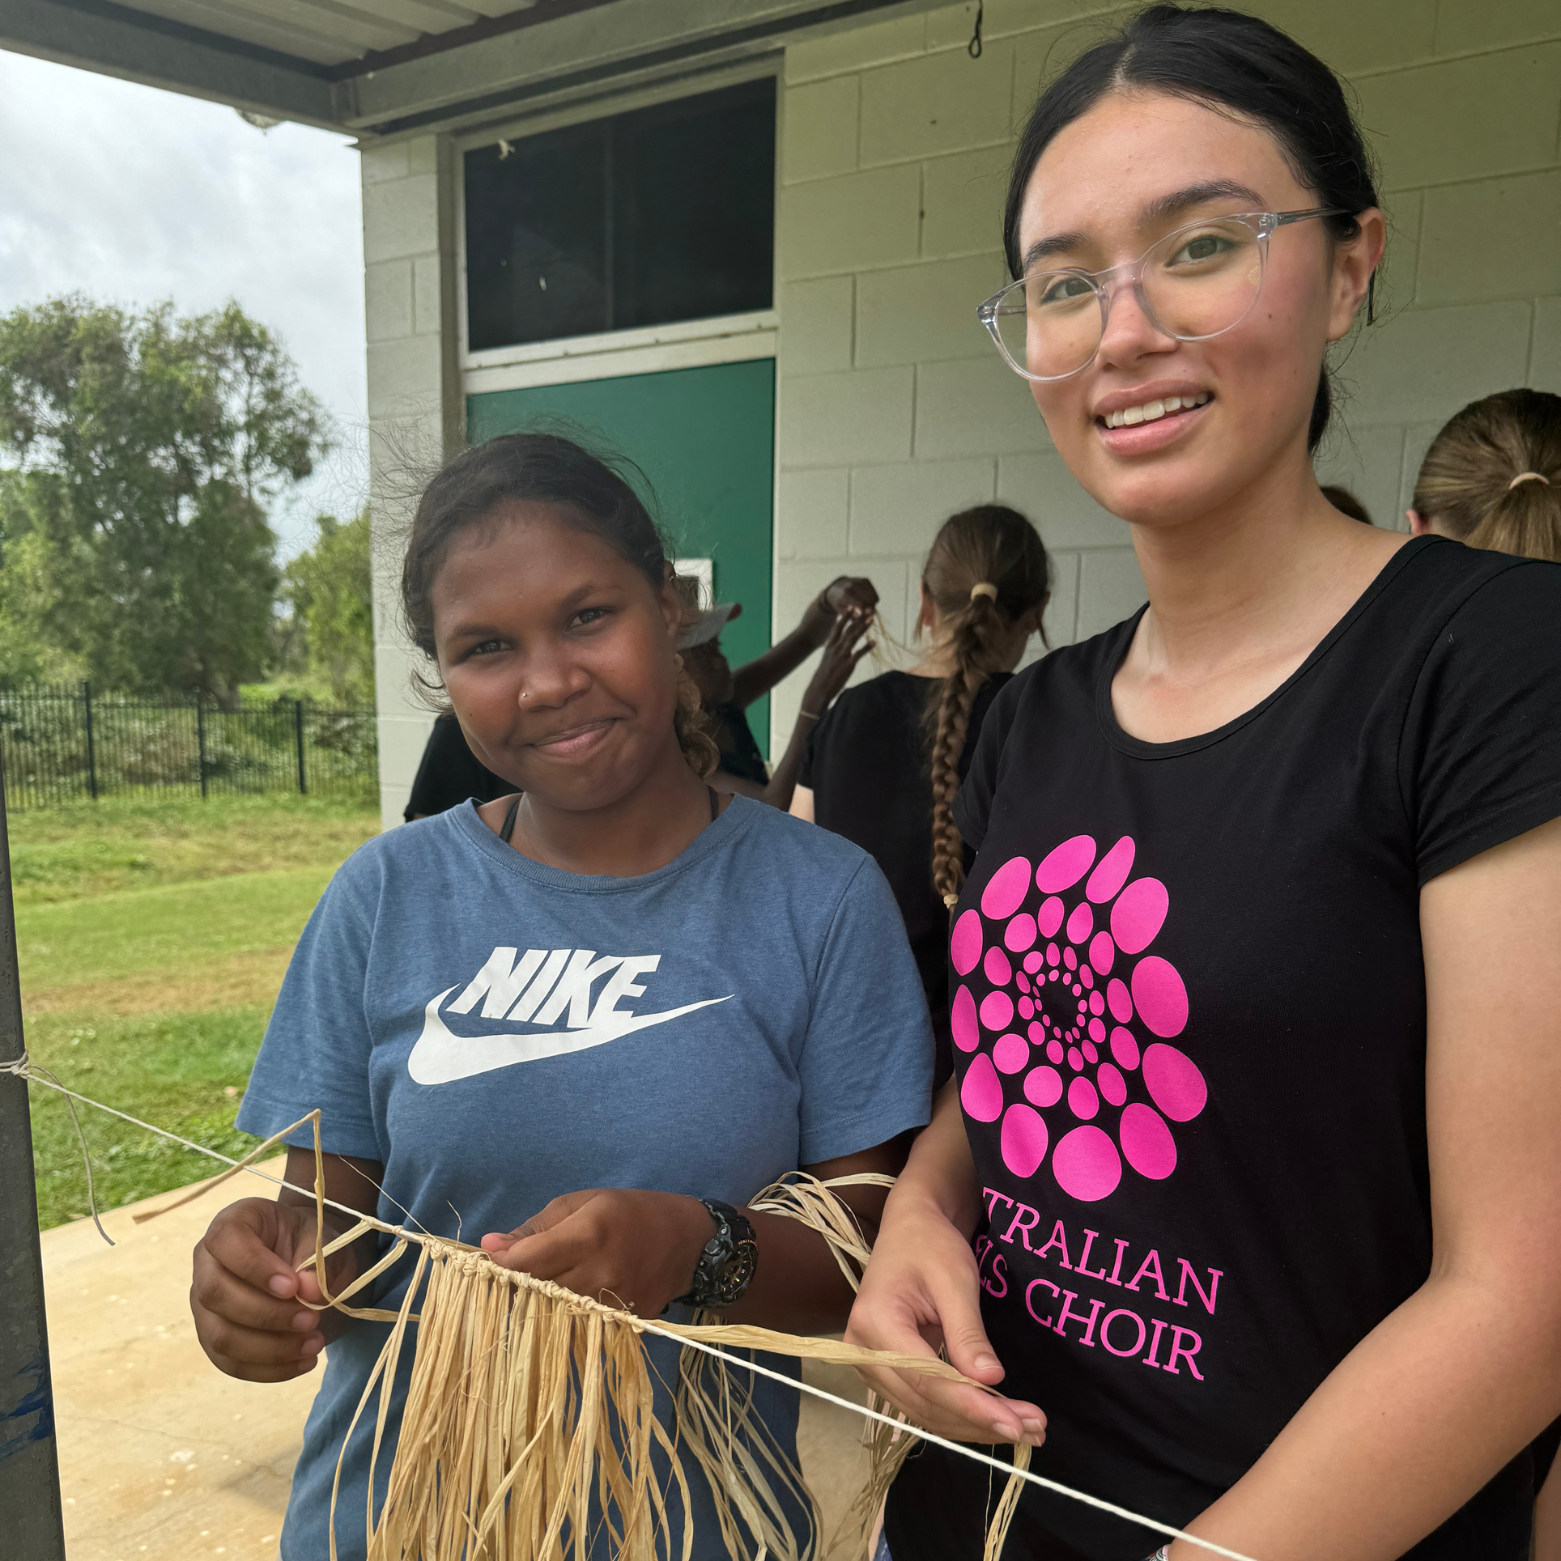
1528 477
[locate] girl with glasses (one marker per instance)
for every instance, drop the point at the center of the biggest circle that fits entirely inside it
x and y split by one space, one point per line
1246 1194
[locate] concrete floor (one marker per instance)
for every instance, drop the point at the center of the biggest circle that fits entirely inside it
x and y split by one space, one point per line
163 1456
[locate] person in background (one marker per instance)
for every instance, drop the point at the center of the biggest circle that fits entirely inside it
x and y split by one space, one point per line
836 621
882 767
450 772
1492 477
1347 504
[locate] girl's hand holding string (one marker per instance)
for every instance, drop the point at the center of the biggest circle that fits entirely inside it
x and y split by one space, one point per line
619 1245
247 1292
923 1289
247 1289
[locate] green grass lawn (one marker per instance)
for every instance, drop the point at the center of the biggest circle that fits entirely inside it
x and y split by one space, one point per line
152 937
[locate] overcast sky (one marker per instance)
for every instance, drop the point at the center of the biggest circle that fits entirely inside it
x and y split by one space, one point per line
132 195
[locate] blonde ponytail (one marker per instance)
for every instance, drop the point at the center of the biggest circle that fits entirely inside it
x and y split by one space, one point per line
1492 477
985 571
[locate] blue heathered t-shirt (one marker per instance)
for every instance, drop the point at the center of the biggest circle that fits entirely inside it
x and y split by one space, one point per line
496 1033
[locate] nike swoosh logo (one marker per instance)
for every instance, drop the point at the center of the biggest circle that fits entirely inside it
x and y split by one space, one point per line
440 1056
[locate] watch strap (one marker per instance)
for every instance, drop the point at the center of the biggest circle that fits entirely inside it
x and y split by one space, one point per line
728 1261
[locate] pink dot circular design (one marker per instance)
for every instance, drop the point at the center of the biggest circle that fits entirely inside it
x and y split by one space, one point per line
1111 1084
1090 1054
1051 975
1147 1142
1117 1000
1081 923
1101 952
1022 981
1083 1102
1174 1082
1037 1034
1111 871
1139 914
962 1020
1011 1054
1087 1165
1160 996
982 1092
1124 1048
1053 955
997 1010
1023 1140
1019 934
1005 889
1097 1030
1075 1059
965 943
1054 1051
1063 867
996 967
1026 1008
1097 1004
1070 959
1087 976
1034 960
1049 918
1043 1086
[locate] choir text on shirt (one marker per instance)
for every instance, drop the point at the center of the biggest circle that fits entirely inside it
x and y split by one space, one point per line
1122 1331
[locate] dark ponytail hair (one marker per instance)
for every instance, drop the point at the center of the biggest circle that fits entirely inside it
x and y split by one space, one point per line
986 569
1231 62
590 492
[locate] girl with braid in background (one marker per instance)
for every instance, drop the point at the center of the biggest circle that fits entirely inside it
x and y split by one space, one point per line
884 763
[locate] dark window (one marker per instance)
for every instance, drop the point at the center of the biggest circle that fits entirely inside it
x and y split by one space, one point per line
647 218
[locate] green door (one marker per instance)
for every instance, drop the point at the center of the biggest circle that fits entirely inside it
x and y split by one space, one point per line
706 440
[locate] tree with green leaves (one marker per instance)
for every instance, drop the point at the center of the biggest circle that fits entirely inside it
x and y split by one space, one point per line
143 451
328 588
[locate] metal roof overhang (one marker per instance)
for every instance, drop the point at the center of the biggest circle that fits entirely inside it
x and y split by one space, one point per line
305 60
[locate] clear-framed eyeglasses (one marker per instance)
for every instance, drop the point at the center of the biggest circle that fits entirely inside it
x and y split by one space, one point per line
1200 280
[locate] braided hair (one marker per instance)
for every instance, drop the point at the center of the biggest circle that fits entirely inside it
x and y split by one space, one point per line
986 570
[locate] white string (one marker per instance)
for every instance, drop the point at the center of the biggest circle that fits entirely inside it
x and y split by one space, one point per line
22 1068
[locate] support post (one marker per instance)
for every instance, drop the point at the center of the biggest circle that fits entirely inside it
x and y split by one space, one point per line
92 750
29 1459
200 740
298 732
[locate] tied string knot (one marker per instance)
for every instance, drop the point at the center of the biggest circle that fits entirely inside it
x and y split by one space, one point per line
23 1068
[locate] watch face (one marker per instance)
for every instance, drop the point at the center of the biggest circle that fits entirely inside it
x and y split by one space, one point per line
738 1270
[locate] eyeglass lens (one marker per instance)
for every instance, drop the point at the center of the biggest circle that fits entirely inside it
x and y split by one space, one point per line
1196 282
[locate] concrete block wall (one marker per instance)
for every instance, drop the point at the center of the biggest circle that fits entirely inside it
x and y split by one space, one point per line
414 407
894 410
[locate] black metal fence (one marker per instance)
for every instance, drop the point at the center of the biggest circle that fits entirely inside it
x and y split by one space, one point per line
68 744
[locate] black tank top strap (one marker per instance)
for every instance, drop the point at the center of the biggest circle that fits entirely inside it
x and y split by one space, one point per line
508 827
715 803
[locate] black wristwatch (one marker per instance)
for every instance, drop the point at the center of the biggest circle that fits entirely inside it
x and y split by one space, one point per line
729 1261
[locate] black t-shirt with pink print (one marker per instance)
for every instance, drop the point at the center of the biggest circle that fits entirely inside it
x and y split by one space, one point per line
1189 1023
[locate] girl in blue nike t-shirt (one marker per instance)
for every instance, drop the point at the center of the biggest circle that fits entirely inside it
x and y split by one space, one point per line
566 1017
